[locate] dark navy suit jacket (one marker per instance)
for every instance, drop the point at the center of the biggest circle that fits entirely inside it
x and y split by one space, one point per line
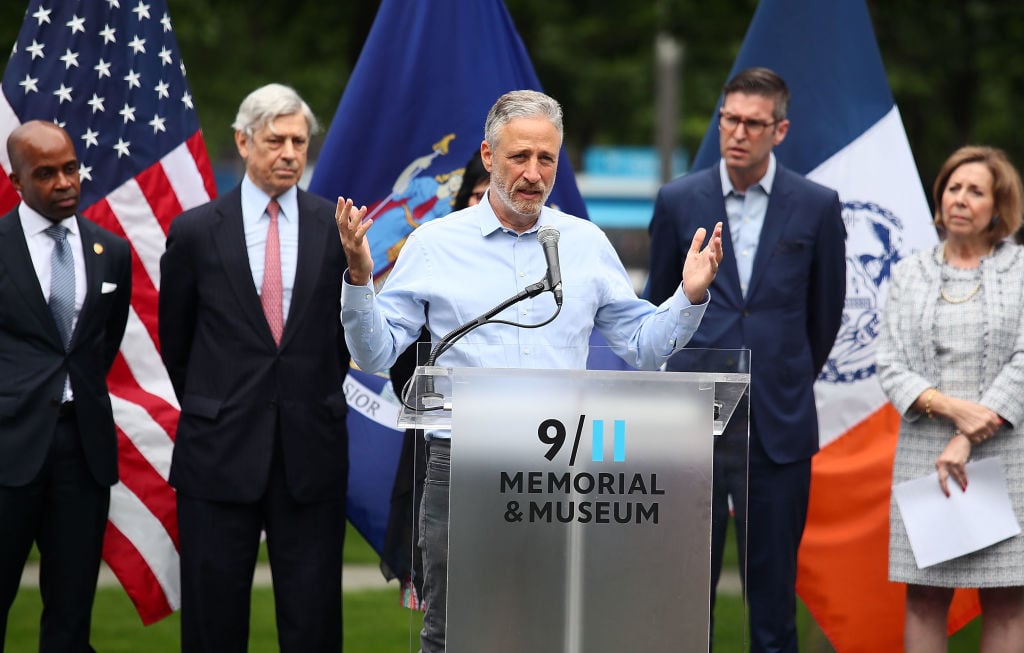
238 390
794 304
33 363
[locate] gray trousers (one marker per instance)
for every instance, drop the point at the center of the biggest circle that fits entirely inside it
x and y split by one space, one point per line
433 539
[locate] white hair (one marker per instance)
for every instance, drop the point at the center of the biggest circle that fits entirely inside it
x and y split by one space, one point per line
266 104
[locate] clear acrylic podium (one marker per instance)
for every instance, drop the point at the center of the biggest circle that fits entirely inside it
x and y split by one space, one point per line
580 504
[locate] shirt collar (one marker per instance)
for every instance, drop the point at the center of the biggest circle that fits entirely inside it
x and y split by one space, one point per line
765 182
489 222
33 222
254 201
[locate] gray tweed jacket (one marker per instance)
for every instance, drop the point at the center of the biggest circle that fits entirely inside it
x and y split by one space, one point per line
905 358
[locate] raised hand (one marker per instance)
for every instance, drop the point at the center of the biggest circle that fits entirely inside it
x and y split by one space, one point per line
352 229
701 265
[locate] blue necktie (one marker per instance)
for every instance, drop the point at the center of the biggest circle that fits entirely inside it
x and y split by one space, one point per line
62 282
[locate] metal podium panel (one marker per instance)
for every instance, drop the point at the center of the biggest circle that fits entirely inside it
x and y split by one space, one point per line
580 512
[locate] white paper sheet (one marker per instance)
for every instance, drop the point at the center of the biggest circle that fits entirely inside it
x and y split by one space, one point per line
942 528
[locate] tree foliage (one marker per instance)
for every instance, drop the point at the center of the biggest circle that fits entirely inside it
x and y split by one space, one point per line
955 68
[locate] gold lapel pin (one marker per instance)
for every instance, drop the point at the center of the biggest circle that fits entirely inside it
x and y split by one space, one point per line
96 247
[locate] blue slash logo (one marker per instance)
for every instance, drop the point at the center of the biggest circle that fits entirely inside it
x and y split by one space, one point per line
552 432
618 441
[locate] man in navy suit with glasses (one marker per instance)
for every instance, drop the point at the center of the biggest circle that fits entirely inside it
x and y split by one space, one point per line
779 293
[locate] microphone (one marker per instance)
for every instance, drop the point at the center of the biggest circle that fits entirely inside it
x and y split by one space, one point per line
548 237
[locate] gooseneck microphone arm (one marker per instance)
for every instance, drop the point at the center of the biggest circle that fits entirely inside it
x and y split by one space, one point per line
552 281
428 399
450 338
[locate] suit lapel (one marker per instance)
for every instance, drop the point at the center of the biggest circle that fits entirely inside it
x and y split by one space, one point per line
14 256
228 235
775 219
307 268
92 253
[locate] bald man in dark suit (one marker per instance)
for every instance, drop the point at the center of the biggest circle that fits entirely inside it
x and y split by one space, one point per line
65 288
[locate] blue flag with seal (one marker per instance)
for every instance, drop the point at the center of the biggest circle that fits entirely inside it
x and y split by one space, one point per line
413 114
410 118
846 133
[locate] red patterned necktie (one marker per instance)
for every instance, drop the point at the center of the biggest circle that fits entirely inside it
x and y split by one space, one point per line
272 294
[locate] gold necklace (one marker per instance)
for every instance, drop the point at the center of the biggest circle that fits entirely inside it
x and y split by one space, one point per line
959 300
969 296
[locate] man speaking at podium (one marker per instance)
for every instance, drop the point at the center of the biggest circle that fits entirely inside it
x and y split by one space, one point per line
455 268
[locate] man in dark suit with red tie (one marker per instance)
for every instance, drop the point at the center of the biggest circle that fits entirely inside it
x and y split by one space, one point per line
65 287
251 335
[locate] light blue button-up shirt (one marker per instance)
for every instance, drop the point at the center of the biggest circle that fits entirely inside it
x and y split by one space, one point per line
746 213
458 267
255 221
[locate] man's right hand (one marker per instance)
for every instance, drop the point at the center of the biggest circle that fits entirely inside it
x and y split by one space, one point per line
352 229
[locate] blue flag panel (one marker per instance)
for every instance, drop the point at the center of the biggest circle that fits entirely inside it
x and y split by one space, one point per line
835 97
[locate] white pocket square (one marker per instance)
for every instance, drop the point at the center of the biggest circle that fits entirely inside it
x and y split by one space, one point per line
107 288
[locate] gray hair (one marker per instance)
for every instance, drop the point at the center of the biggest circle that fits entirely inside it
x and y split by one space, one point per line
521 104
266 104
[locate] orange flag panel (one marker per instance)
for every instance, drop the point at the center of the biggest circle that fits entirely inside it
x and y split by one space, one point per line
843 564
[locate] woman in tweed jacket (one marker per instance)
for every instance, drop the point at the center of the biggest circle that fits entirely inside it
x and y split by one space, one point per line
951 360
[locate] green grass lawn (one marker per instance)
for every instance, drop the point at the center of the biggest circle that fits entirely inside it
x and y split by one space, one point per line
374 621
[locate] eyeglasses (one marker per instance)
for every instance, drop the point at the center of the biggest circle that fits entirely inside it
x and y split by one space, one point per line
755 128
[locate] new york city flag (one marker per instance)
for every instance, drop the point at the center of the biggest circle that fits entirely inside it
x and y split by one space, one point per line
846 133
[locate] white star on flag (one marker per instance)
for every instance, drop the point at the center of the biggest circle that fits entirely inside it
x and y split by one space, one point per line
42 15
157 123
102 69
133 79
90 136
64 93
137 44
36 49
29 84
128 113
122 147
77 24
69 58
96 102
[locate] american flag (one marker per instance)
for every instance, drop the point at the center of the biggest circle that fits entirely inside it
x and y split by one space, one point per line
110 73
